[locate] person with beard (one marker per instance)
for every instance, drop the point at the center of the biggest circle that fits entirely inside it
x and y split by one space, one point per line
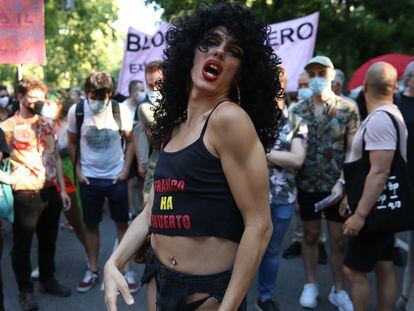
208 211
37 203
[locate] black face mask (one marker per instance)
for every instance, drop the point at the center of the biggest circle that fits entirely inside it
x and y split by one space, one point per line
38 106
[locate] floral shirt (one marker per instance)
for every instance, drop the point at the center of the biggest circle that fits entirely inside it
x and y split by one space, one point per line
327 142
281 180
32 144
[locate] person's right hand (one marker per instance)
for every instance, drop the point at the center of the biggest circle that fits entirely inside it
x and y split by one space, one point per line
115 283
344 208
81 177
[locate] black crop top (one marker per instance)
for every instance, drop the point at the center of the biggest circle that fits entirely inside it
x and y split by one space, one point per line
192 196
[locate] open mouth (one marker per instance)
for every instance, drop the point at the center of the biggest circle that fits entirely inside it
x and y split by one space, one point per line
212 70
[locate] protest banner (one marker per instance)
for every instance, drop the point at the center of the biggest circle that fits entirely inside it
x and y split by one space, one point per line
293 41
22 32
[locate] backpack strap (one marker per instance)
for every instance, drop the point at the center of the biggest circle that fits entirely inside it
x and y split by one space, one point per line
116 113
80 115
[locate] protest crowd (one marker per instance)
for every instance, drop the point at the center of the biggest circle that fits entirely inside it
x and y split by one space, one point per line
339 158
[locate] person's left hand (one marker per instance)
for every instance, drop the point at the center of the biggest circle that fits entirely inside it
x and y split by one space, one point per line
122 176
338 192
353 225
66 201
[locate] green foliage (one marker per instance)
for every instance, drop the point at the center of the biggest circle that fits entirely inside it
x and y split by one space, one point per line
76 43
350 31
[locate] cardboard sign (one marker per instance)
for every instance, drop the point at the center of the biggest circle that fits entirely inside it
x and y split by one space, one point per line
22 32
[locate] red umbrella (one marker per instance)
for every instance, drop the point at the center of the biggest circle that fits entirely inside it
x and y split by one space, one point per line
399 61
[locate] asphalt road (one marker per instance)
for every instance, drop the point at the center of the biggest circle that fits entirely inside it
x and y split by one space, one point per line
71 263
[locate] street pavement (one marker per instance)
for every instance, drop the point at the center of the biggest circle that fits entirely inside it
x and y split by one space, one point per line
71 263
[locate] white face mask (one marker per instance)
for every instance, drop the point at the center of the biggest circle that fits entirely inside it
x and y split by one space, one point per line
97 106
4 101
50 111
153 95
141 96
319 85
304 93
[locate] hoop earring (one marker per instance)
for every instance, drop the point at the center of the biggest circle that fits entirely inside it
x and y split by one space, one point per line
238 94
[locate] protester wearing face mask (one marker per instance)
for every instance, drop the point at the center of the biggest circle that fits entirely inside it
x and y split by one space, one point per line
153 76
37 202
97 129
57 113
136 182
304 92
4 102
294 249
332 123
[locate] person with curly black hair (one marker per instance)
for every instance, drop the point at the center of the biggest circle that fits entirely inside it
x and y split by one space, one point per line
208 210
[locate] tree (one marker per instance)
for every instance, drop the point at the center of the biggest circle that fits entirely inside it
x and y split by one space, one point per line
350 31
77 42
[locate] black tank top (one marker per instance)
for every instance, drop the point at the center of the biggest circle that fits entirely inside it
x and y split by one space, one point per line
192 196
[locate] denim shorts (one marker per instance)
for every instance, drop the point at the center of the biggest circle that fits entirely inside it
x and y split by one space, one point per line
173 287
93 198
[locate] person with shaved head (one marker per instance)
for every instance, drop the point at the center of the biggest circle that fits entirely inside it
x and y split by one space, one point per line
378 136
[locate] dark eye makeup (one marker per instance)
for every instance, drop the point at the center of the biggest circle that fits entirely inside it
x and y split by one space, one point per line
213 40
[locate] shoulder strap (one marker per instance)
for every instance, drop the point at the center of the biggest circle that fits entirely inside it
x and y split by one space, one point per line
116 113
397 129
203 131
80 115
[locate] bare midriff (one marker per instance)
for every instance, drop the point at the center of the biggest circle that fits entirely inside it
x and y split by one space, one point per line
195 255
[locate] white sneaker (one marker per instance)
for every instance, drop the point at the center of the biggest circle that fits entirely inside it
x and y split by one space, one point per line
35 274
309 297
340 300
130 277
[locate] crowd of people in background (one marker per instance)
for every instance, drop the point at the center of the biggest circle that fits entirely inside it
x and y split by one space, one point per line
79 150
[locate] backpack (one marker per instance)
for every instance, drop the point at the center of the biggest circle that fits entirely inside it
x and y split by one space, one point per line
80 115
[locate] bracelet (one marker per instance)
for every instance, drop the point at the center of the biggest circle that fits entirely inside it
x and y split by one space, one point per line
360 214
341 181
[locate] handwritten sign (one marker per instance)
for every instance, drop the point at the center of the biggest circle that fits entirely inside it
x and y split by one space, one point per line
22 32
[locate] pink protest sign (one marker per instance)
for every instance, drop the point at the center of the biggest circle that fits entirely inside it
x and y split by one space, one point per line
22 32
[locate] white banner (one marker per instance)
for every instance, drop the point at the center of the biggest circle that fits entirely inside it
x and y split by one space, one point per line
293 41
140 49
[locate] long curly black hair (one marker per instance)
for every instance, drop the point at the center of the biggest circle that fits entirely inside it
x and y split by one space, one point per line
258 81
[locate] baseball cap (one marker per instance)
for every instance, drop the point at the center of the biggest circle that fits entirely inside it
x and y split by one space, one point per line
322 60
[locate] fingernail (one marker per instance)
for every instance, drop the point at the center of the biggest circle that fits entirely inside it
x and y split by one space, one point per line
130 301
